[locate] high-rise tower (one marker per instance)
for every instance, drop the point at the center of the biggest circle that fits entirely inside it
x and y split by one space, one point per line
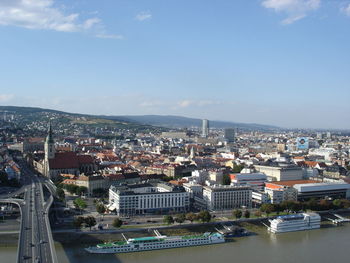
205 128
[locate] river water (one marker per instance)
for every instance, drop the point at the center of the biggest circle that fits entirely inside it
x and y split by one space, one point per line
315 246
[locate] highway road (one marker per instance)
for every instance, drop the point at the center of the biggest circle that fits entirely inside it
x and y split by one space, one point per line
35 243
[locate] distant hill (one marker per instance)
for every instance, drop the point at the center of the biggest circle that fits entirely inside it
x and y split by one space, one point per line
170 121
30 114
37 118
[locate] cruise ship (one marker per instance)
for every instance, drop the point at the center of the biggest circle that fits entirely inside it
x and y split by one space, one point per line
296 222
157 242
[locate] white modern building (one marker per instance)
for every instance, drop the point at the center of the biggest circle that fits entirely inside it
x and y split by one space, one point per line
194 189
148 198
221 197
281 172
323 190
256 180
199 176
260 197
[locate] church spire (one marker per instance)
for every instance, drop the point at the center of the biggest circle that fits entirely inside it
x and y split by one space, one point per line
49 137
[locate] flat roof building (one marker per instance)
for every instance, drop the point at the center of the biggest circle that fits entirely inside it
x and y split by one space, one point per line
148 198
222 197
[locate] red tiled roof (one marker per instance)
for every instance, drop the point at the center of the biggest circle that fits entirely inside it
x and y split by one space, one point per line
69 181
291 183
66 160
85 159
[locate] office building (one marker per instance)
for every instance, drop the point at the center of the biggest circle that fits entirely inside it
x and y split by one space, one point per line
222 197
148 198
229 135
205 128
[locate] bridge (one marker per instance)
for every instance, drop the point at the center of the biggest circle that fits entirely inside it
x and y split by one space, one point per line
35 242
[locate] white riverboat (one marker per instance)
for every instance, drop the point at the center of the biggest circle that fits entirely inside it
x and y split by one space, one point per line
296 222
157 242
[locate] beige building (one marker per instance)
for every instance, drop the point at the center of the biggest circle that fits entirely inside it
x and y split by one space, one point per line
90 182
281 173
223 197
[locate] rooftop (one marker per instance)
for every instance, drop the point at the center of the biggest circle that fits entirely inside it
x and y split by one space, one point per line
291 183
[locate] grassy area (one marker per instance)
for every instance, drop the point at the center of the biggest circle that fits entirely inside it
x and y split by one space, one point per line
141 226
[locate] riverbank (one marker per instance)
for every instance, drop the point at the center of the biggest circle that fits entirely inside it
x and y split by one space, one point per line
253 226
85 236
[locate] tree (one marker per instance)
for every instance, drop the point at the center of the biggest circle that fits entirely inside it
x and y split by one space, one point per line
257 213
80 190
180 218
168 219
90 221
324 205
345 203
296 206
78 221
79 203
237 213
99 192
117 223
226 180
312 204
204 216
237 168
191 217
246 214
71 188
267 208
100 208
337 203
60 193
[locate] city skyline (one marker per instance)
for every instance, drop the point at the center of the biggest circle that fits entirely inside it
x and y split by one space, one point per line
282 63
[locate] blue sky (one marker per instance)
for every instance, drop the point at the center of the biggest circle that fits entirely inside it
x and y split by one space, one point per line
280 62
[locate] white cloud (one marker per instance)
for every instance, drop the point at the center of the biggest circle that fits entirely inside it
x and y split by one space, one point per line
346 9
43 14
6 97
109 36
144 15
295 9
197 103
185 103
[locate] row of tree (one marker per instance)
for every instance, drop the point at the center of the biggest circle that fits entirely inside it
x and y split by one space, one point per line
80 221
295 206
237 213
79 204
74 189
202 216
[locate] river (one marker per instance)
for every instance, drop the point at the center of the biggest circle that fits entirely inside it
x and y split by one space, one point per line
315 246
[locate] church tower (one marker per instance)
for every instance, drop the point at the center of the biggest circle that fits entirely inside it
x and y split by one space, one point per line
49 151
49 145
192 155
